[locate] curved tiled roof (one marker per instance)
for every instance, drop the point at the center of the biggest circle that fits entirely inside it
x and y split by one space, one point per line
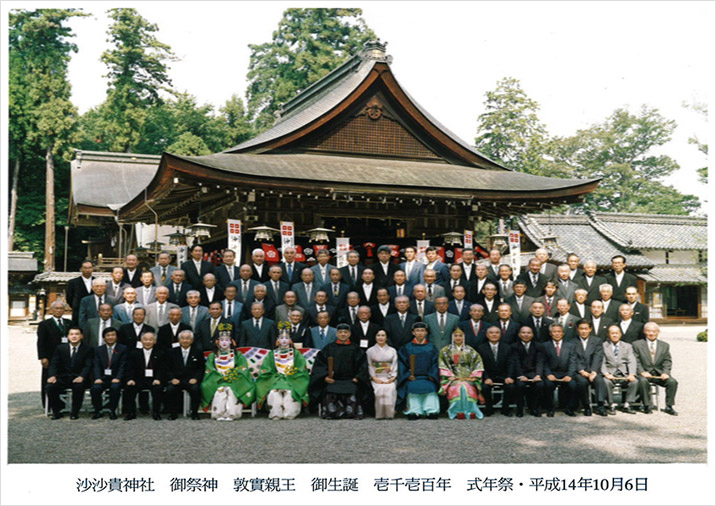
654 231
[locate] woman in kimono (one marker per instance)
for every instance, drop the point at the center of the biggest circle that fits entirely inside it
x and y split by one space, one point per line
283 380
227 384
460 378
383 371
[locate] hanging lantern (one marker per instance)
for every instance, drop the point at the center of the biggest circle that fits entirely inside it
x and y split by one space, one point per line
263 233
499 241
177 239
319 234
201 230
452 238
140 251
155 246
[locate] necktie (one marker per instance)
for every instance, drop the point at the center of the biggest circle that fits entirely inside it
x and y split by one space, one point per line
527 347
504 328
230 268
289 268
176 288
420 308
430 290
616 351
185 354
559 347
73 358
109 357
652 350
353 274
257 326
192 316
454 283
99 303
494 352
335 289
402 320
214 322
504 286
104 326
308 292
161 313
353 314
519 303
275 292
321 309
164 274
116 291
60 326
399 291
323 336
244 289
534 280
228 308
442 322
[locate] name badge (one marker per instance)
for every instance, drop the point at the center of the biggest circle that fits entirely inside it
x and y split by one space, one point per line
175 345
363 343
108 372
298 345
148 373
65 340
139 345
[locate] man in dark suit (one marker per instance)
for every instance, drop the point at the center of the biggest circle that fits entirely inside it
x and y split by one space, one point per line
50 334
590 281
641 311
306 288
210 291
566 320
207 332
337 290
232 307
89 305
400 324
442 274
549 299
489 301
459 305
363 331
653 365
132 273
526 364
600 323
260 297
70 367
477 283
227 271
580 308
565 286
110 370
538 322
399 286
468 266
349 314
534 278
433 289
259 267
194 313
352 272
292 270
196 267
420 306
382 308
321 334
245 285
257 331
367 289
505 283
475 328
185 370
495 358
299 331
619 278
178 288
455 279
145 371
509 328
131 333
549 270
384 269
590 355
493 267
168 335
78 288
276 288
519 302
560 369
575 273
632 330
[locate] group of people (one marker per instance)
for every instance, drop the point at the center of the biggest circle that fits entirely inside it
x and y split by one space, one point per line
421 337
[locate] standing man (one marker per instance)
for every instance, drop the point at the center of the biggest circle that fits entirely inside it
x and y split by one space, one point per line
468 265
210 292
259 269
178 288
475 328
412 268
432 288
442 275
196 267
292 270
600 323
227 271
147 289
337 290
575 273
163 270
79 288
257 331
352 273
94 330
549 270
168 335
245 284
590 281
158 311
565 286
115 286
400 324
275 287
207 332
194 313
306 288
640 311
131 272
123 312
367 289
653 365
322 270
519 302
441 324
619 278
534 278
89 306
420 305
567 320
51 332
384 269
131 333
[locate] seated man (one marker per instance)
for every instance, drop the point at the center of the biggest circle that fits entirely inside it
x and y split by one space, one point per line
525 362
145 372
185 370
653 365
619 367
419 376
70 367
590 355
110 370
560 368
495 358
339 378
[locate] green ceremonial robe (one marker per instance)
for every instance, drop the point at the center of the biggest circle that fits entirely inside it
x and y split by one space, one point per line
242 385
270 379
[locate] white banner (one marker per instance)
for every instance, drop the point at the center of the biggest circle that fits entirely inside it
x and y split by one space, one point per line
422 246
515 252
182 254
467 239
286 235
234 238
343 246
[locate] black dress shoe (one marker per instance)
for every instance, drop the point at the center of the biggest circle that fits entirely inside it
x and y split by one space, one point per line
487 411
629 410
670 411
646 410
130 416
195 416
57 416
156 416
172 417
535 412
74 417
550 413
570 412
519 413
433 416
144 411
412 417
112 415
601 411
612 410
588 412
97 415
507 413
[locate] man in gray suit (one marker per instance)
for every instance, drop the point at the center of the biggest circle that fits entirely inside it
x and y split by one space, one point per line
619 368
89 305
123 312
567 320
412 268
323 333
95 326
115 286
322 270
306 289
653 364
441 323
546 268
194 313
163 271
565 286
158 311
146 292
432 288
289 304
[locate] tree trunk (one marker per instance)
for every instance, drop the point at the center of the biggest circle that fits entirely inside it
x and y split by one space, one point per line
13 206
49 210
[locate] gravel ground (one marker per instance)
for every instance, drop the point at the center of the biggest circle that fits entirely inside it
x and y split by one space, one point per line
656 438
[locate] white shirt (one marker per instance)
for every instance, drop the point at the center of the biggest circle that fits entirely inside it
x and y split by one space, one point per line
259 269
625 324
87 282
572 274
137 328
174 328
197 265
130 274
489 304
584 343
384 308
210 292
619 278
580 308
364 326
385 267
467 269
147 355
367 290
409 267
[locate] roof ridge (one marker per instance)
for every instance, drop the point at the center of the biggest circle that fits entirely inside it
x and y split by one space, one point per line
645 216
606 232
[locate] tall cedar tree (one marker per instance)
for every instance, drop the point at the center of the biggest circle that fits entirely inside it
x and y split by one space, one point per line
308 44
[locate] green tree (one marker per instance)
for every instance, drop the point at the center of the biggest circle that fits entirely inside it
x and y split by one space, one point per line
137 74
510 132
308 44
703 111
39 54
619 151
235 121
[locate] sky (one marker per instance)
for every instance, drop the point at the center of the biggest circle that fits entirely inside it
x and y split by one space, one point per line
579 60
